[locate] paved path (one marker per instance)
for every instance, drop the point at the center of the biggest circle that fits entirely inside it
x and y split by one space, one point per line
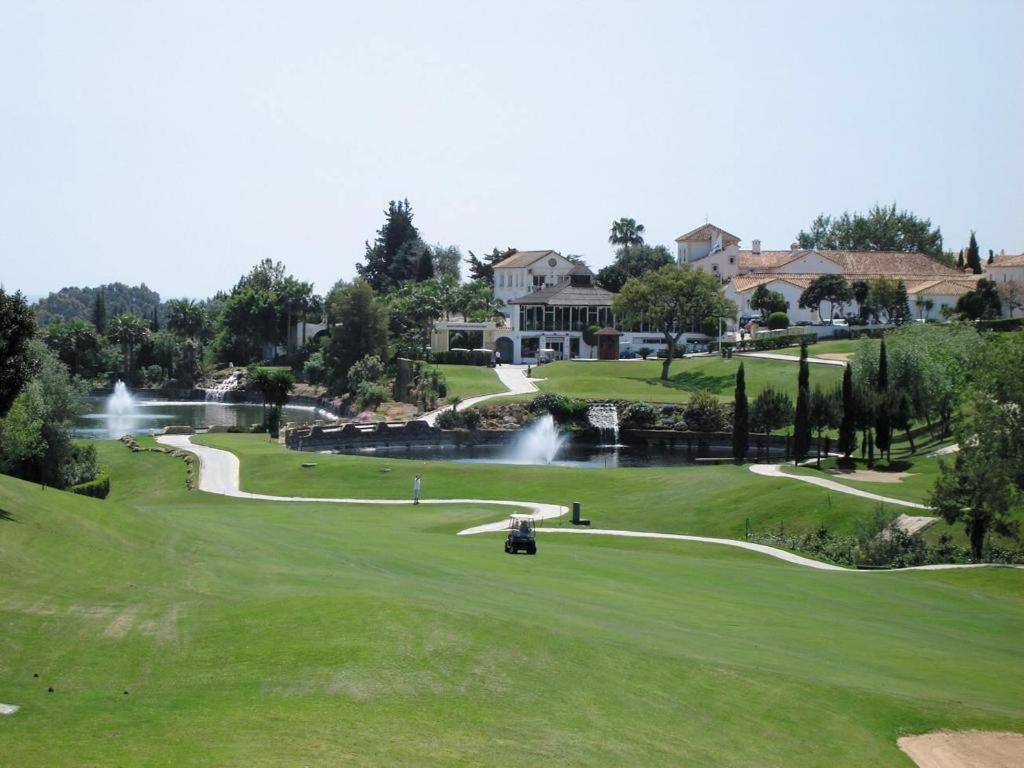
512 376
775 470
219 473
791 358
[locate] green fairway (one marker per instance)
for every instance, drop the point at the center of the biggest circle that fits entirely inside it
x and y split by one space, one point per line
470 380
640 379
252 633
836 347
705 500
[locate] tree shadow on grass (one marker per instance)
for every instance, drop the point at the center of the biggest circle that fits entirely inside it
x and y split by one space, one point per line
691 381
5 515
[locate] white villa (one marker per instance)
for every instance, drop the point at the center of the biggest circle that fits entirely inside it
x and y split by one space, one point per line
550 300
931 285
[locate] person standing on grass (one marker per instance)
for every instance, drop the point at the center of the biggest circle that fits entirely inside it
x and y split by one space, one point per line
417 485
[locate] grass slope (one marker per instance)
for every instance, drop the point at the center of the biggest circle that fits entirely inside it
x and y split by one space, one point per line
640 379
470 380
258 633
839 346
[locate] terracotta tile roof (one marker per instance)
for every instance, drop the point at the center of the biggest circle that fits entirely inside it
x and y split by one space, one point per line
567 294
707 232
851 262
1008 260
936 285
524 258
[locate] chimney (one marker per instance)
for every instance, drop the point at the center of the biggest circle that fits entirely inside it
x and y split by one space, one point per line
793 247
755 246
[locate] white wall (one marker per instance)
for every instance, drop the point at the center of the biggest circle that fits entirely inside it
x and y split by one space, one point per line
812 264
512 283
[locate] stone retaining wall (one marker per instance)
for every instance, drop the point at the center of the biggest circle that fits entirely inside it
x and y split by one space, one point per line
383 434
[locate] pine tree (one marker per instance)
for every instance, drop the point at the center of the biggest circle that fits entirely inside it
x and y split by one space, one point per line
848 424
973 256
99 312
883 415
801 421
741 418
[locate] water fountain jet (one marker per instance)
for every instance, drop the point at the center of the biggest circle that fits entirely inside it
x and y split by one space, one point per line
538 443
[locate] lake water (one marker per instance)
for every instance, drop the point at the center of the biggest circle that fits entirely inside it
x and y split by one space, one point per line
149 415
570 454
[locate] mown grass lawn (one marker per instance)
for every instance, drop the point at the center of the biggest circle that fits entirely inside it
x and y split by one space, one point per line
640 379
255 633
836 347
466 381
700 499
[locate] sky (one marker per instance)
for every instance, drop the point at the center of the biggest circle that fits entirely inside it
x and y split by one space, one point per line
178 143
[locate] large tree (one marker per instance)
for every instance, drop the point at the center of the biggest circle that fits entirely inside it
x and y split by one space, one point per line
824 413
129 331
983 303
672 301
633 261
768 302
887 298
626 232
831 288
361 328
75 342
1011 294
394 255
883 228
771 410
483 269
17 326
447 261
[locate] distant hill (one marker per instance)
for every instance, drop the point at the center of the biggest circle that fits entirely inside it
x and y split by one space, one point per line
75 303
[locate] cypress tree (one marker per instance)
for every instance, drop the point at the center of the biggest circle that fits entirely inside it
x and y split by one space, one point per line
99 312
155 324
973 256
741 418
960 260
848 424
802 421
883 415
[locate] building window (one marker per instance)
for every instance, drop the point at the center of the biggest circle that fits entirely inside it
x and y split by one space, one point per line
538 281
529 346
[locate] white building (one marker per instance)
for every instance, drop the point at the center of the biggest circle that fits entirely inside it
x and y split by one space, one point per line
1006 267
931 285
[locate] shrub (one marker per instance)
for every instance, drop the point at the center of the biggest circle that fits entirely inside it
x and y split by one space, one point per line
778 320
366 370
561 407
771 342
641 414
97 488
645 352
704 413
313 369
448 419
370 394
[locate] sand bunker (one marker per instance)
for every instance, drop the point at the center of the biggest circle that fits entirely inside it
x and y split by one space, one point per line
965 749
870 475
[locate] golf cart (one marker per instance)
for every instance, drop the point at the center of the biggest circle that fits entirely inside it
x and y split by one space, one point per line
521 535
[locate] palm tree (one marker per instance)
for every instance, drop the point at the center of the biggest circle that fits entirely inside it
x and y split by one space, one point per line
626 232
129 331
186 318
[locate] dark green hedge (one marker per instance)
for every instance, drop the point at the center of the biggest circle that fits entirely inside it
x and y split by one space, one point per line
98 487
467 357
770 342
1006 324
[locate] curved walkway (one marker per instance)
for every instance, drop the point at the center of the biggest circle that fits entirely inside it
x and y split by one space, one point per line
219 472
775 470
512 376
791 358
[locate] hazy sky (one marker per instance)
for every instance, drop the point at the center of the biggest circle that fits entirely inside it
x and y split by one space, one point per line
177 143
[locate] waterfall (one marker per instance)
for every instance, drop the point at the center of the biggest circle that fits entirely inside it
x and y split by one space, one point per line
229 384
604 417
537 444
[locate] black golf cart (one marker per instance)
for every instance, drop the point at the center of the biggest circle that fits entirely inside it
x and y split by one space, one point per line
521 535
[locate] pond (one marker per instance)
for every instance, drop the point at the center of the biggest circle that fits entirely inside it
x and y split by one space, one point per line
144 416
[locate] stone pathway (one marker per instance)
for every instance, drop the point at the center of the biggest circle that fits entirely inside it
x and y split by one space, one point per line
219 473
512 376
791 358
